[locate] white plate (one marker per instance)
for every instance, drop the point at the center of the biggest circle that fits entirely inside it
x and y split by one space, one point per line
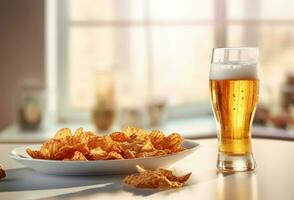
98 167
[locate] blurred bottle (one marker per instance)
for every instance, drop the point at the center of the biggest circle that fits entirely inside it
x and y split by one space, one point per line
132 116
156 112
287 102
104 107
288 94
30 108
262 114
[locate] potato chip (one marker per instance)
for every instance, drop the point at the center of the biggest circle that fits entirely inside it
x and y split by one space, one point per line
63 133
117 147
137 134
132 146
113 156
170 176
34 154
174 142
2 173
140 169
95 142
147 146
161 178
82 137
104 142
98 154
128 154
78 156
89 134
119 136
50 148
129 131
157 139
68 151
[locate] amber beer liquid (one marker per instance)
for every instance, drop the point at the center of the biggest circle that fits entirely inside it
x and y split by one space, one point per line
234 102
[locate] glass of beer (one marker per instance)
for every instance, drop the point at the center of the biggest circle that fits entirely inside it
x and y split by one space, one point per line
234 88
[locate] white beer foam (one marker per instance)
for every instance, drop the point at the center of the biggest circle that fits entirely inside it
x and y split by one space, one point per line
233 71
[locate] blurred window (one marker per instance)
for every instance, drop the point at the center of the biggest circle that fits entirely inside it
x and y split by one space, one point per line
158 49
162 48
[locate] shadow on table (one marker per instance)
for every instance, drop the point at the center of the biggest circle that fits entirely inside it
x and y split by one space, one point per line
197 179
24 179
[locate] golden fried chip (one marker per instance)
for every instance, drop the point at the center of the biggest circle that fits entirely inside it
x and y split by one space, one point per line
79 135
127 154
68 151
82 137
170 176
140 169
132 146
174 142
161 178
105 143
50 148
119 136
157 139
95 142
129 131
2 173
114 156
98 154
136 133
117 147
147 146
90 134
34 154
78 156
63 133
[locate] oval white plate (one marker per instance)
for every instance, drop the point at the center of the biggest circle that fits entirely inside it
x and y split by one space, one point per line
98 167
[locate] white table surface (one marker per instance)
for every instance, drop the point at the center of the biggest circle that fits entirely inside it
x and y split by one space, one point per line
273 179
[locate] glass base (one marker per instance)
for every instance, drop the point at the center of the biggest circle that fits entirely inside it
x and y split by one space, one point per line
235 163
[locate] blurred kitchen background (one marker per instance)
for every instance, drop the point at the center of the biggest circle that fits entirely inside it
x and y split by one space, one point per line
106 64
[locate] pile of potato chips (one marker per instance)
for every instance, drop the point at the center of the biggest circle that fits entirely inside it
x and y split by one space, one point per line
130 143
161 178
2 173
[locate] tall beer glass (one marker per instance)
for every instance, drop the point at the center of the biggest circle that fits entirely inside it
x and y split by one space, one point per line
234 89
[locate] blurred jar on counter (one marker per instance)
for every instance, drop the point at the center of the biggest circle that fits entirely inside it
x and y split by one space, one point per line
132 116
288 94
156 112
151 115
103 113
287 102
263 109
30 108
